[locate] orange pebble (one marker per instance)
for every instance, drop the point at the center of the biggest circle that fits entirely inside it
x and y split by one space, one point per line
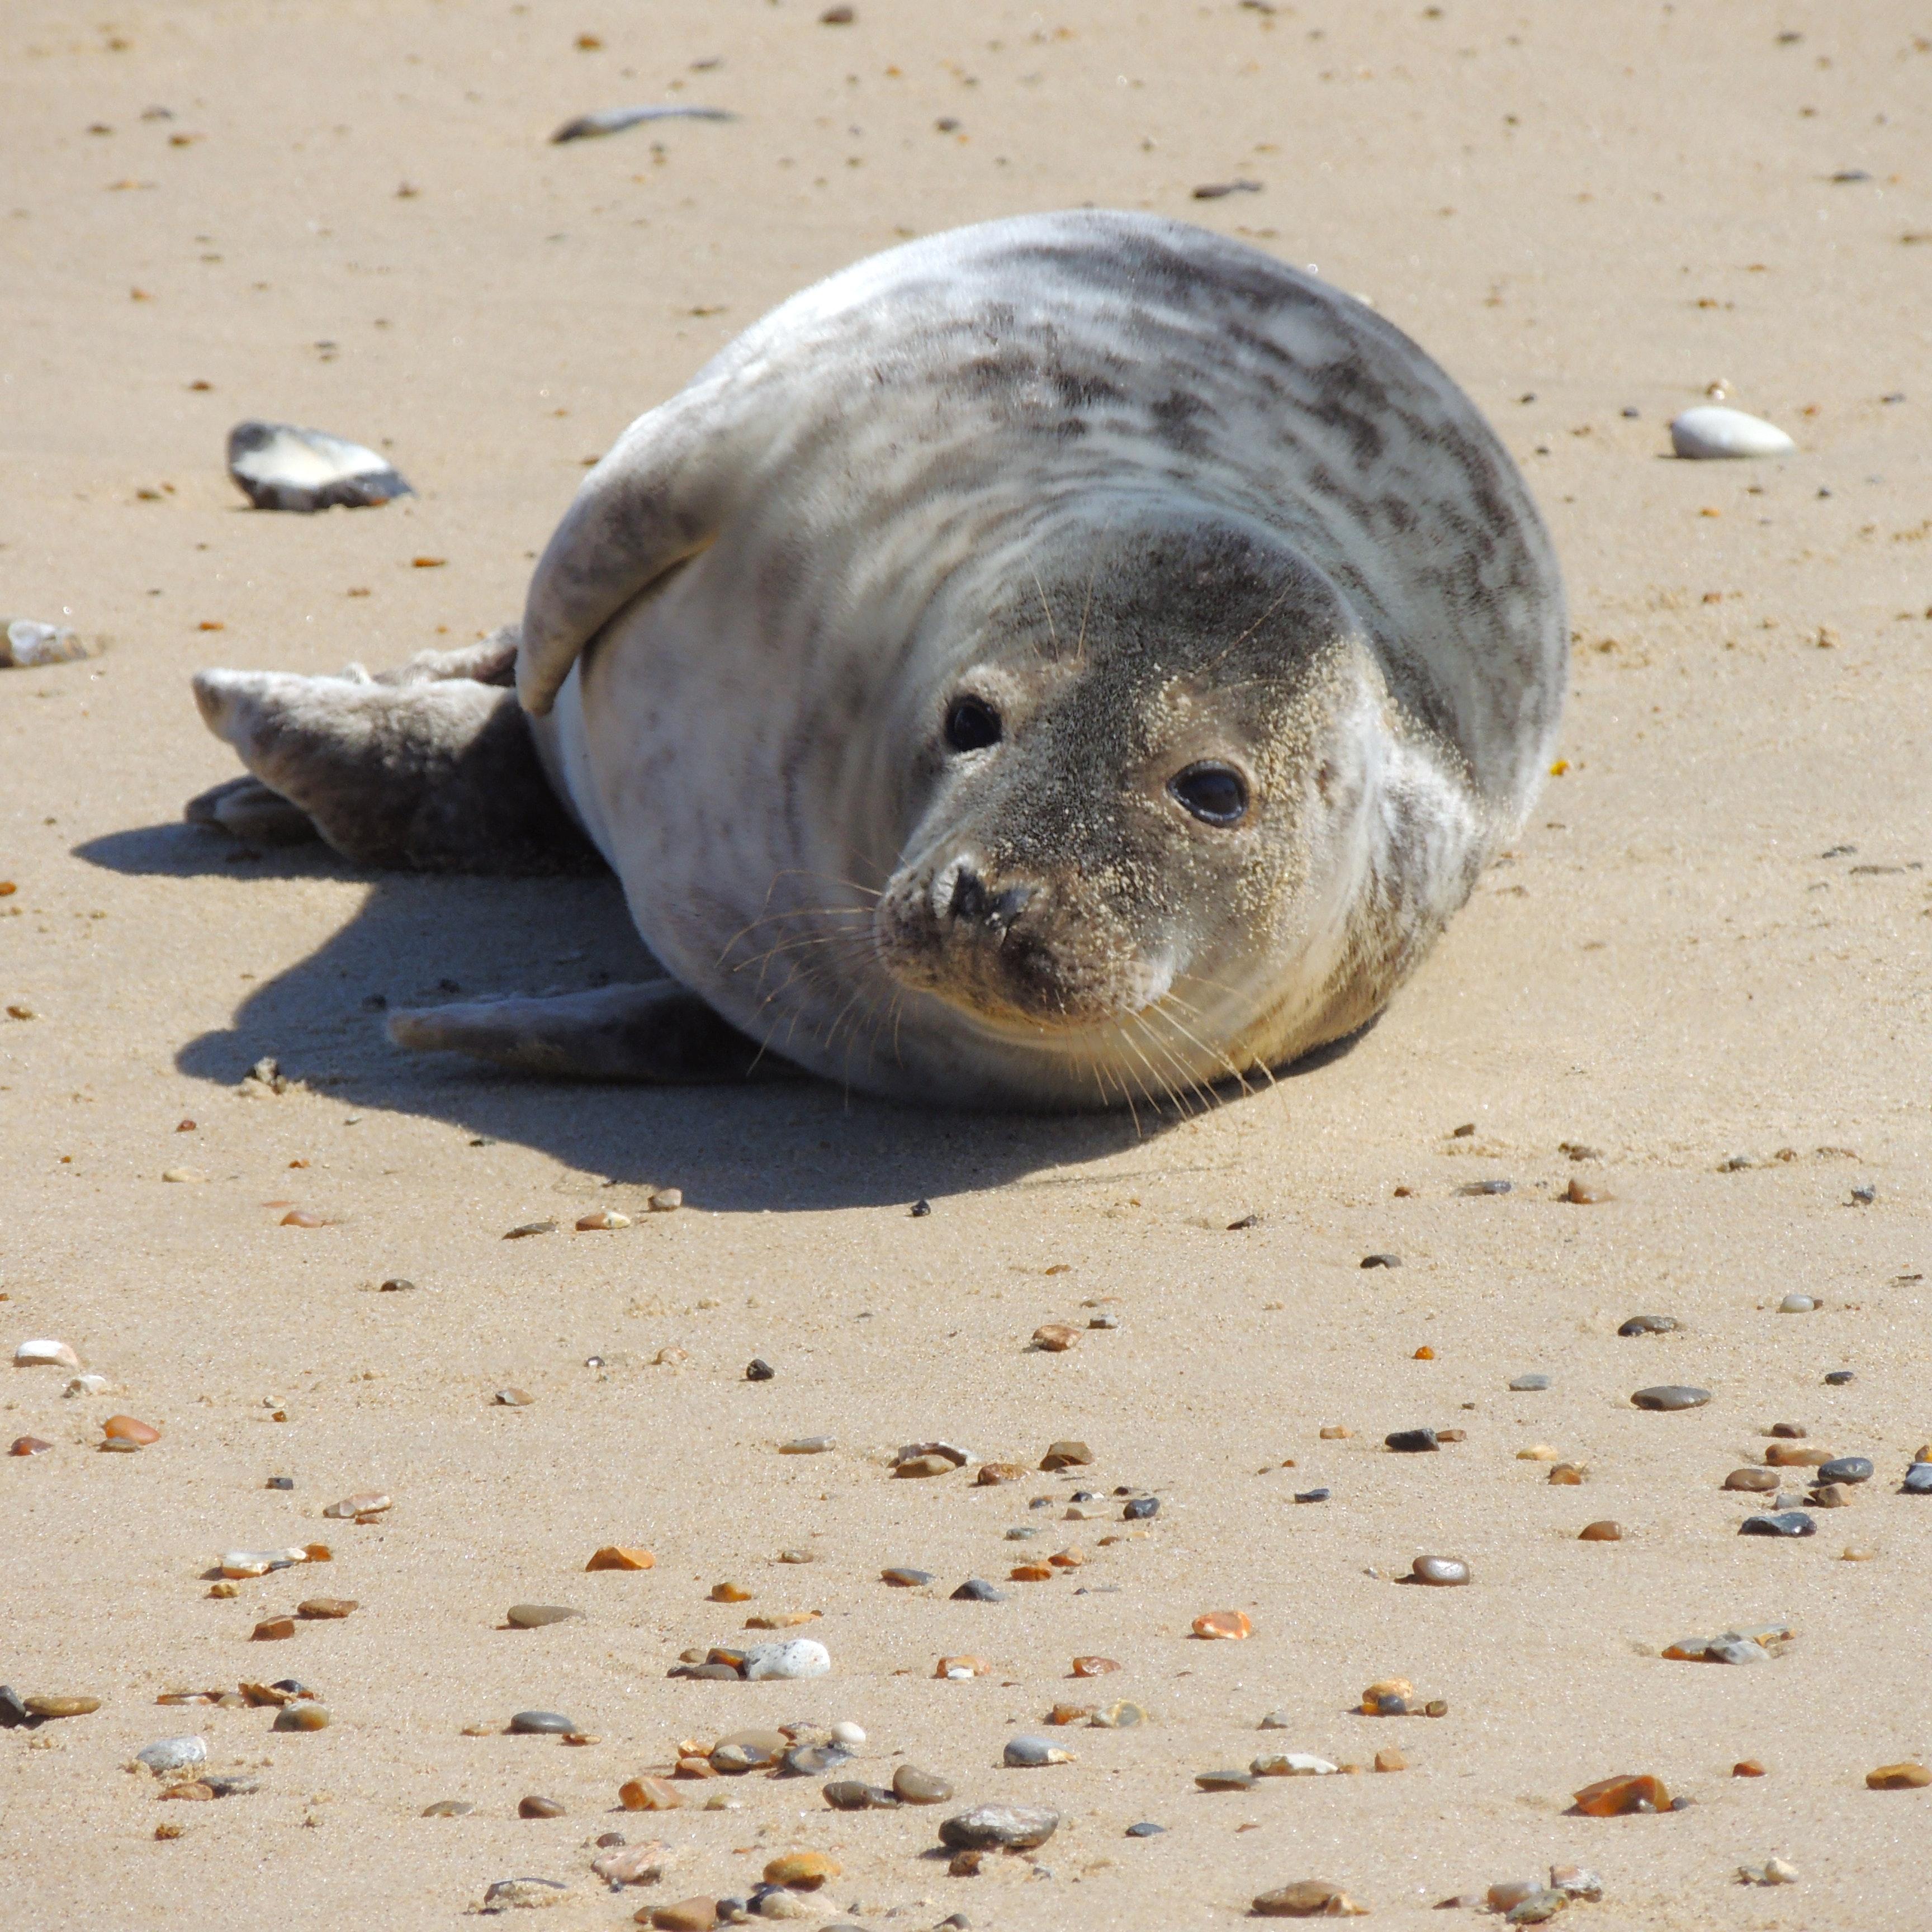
1425 1353
648 1794
1630 1791
1747 1767
1031 1573
620 1556
1093 1667
1223 1624
126 1429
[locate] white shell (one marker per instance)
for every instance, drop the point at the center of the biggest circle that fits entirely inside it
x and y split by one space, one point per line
279 466
802 1657
45 1354
259 1562
847 1733
88 1384
1292 1764
1712 430
24 643
173 1753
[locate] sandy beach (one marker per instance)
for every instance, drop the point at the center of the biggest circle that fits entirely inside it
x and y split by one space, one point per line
1697 985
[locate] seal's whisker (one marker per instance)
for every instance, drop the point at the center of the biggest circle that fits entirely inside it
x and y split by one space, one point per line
1053 635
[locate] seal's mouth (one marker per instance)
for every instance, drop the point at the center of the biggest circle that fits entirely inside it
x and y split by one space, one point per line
1022 955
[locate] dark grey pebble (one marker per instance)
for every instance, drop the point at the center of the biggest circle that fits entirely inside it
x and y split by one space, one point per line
1483 1187
280 1483
1140 1509
921 1208
759 1370
732 1911
396 1285
1083 1496
850 1794
1017 1827
903 1577
1671 1395
541 1723
1846 1469
1412 1441
13 1713
1021 1531
1786 1523
1649 1324
813 1760
1917 1481
1246 1221
1838 1378
1381 1261
719 1673
1864 1196
1146 1828
1528 1384
294 1686
977 1590
1312 1496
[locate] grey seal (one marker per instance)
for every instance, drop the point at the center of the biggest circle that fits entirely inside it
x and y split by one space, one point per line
1056 662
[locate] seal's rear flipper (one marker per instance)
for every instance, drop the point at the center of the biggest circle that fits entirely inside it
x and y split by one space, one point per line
658 1031
422 769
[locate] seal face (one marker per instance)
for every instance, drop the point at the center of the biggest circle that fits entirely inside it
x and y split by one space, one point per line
1057 661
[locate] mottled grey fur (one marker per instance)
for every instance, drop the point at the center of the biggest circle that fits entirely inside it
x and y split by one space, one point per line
1157 498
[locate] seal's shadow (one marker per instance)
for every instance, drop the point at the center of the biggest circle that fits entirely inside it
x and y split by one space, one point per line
780 1145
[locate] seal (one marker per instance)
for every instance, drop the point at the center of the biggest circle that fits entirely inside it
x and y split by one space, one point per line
1061 661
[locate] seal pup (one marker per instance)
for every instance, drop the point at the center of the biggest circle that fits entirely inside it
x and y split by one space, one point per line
1061 661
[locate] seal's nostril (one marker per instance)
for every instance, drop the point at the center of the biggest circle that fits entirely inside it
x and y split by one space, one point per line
969 895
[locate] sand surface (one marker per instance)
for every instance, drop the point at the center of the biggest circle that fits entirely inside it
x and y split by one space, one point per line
350 216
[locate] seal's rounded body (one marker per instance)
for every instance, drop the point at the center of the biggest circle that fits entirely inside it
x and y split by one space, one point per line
1057 661
1059 451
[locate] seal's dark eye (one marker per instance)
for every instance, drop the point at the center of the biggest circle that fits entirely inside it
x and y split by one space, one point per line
971 724
1214 794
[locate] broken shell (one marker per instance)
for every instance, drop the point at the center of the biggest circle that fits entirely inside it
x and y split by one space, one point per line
277 466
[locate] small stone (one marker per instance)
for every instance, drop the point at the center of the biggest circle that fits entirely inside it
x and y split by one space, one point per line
1791 1456
1436 1707
988 1827
621 1556
1539 1452
798 1657
960 1668
301 1717
1603 1530
1648 1324
1898 1777
535 1616
61 1707
173 1754
1582 1193
1568 1475
1410 1441
1789 1431
1146 1828
1106 1318
1229 1780
366 1502
1031 1573
510 1894
849 1794
1312 1495
29 1445
1381 1261
538 1808
1786 1523
729 1592
911 1786
1223 1624
45 1353
1474 1188
185 1175
603 1221
1094 1666
512 1398
759 1370
1066 1454
1751 1480
1830 1496
1123 1716
1031 1752
1141 1509
992 1473
624 1865
1671 1395
688 1914
1917 1481
272 1629
1747 1767
540 1724
1528 1384
667 1200
1336 1432
648 1794
447 1808
1387 1697
1441 1570
848 1734
748 1751
1391 1760
1291 1764
1055 1337
1846 1469
1712 430
813 1760
1838 1378
807 1445
1540 1906
977 1590
1779 1871
127 1429
87 1384
1306 1898
902 1577
1613 1797
916 1466
1796 1304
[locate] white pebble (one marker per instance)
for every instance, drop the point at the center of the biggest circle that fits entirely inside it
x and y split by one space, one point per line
802 1657
1292 1764
173 1754
1796 1304
1779 1871
848 1733
1712 430
45 1354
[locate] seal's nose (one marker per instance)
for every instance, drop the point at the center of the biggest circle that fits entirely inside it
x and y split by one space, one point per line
972 904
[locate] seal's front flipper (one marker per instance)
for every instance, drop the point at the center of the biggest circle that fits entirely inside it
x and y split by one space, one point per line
658 1031
437 774
246 807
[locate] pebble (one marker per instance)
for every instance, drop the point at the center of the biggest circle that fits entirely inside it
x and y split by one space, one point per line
61 1707
1711 431
301 1717
917 1466
272 1629
29 1445
1291 1764
1898 1777
1838 1378
1603 1531
648 1794
1094 1666
911 1786
621 1556
1796 1304
1066 1455
666 1200
992 1473
1478 1187
535 1616
45 1353
1106 1318
509 1892
1306 1898
1570 1474
902 1577
802 1871
757 1369
688 1914
748 1751
1336 1432
1442 1570
1410 1441
1121 1716
1846 1469
128 1428
1830 1496
512 1398
1540 1906
1387 1697
1751 1479
813 1760
1582 1193
1224 1623
185 1174
798 1657
605 1221
26 644
525 1229
1013 1827
1031 1753
277 466
1381 1261
1786 1523
88 1384
173 1754
849 1794
728 1592
1312 1495
1613 1797
1229 1780
1649 1324
1671 1395
259 1562
977 1590
540 1724
1747 1767
960 1668
1141 1509
1528 1384
366 1503
447 1808
535 1807
1055 1337
807 1445
1146 1828
1917 1481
